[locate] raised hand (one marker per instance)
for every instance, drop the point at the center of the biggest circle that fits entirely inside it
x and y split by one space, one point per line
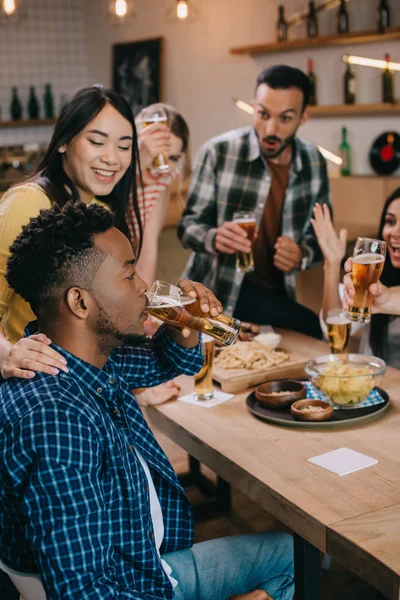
333 246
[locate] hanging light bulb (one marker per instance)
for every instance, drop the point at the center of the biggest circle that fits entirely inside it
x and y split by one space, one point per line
182 9
121 8
9 7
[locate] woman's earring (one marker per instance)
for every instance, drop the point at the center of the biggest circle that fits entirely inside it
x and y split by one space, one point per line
61 149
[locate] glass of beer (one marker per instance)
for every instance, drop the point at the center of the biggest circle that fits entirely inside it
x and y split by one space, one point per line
338 325
203 383
170 304
151 115
246 219
368 260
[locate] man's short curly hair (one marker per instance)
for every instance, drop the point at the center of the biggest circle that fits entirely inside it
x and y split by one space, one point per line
55 251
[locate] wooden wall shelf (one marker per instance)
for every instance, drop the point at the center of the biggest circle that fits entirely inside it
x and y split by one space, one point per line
354 110
27 123
360 37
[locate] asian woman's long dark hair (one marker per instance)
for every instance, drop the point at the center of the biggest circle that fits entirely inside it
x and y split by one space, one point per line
390 277
80 110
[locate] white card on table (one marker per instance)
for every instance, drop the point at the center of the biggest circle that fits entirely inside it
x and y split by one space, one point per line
343 461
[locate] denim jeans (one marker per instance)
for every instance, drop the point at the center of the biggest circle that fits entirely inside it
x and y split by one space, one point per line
217 569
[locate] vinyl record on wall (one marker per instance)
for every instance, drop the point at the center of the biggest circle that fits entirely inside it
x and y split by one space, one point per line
385 153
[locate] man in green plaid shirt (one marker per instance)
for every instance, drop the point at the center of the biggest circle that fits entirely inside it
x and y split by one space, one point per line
266 169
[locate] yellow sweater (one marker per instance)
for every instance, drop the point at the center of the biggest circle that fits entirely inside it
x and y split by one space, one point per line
17 207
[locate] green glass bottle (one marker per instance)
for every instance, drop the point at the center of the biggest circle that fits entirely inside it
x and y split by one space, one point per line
345 154
387 82
313 83
349 85
15 106
281 26
33 104
48 101
343 19
383 16
312 21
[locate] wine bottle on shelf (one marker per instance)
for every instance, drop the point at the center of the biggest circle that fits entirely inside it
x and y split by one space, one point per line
345 154
343 19
48 101
387 82
383 16
33 104
349 85
15 106
281 26
312 21
313 83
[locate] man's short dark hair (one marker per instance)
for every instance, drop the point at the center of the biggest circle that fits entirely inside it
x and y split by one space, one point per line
282 77
55 251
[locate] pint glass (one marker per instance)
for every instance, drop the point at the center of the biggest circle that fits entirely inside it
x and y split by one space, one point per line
338 325
368 260
170 304
203 384
247 221
149 116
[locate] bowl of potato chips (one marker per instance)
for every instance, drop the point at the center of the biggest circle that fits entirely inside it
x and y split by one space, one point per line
345 379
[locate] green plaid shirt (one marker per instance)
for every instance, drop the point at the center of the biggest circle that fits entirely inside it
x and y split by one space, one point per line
230 174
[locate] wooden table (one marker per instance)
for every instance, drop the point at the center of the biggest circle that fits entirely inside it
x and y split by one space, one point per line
269 464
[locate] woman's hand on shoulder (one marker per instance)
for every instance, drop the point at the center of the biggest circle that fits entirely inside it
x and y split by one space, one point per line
31 355
333 246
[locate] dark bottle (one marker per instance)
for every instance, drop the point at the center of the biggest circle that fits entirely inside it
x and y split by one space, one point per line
313 83
387 82
281 26
48 101
15 106
343 19
312 21
33 104
345 154
383 16
349 85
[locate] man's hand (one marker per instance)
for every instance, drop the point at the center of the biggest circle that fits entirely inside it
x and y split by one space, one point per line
256 595
153 140
382 301
158 394
231 238
287 254
30 355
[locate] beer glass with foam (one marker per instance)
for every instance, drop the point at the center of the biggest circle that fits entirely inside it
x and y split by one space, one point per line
338 326
170 304
149 116
203 383
368 260
246 219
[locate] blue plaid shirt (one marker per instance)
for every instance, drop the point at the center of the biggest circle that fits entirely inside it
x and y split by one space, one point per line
74 500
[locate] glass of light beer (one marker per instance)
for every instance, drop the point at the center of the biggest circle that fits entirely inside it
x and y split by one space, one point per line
203 383
338 325
368 260
246 219
170 304
148 116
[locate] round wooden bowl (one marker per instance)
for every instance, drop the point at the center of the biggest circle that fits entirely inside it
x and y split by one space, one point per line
269 394
299 410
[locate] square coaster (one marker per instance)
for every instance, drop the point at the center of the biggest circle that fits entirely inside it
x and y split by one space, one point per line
219 398
343 461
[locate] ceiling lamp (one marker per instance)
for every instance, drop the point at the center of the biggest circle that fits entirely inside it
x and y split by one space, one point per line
363 61
9 7
182 11
246 107
10 11
121 12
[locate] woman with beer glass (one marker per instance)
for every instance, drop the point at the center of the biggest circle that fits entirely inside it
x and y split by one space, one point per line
380 332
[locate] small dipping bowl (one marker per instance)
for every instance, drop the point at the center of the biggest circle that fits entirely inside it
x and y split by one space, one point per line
280 393
305 410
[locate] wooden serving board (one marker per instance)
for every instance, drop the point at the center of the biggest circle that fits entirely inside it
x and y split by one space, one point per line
235 380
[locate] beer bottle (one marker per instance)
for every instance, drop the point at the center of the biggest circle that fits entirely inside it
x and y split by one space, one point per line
349 85
343 19
345 154
383 16
281 26
313 83
33 104
48 101
312 21
15 106
387 82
